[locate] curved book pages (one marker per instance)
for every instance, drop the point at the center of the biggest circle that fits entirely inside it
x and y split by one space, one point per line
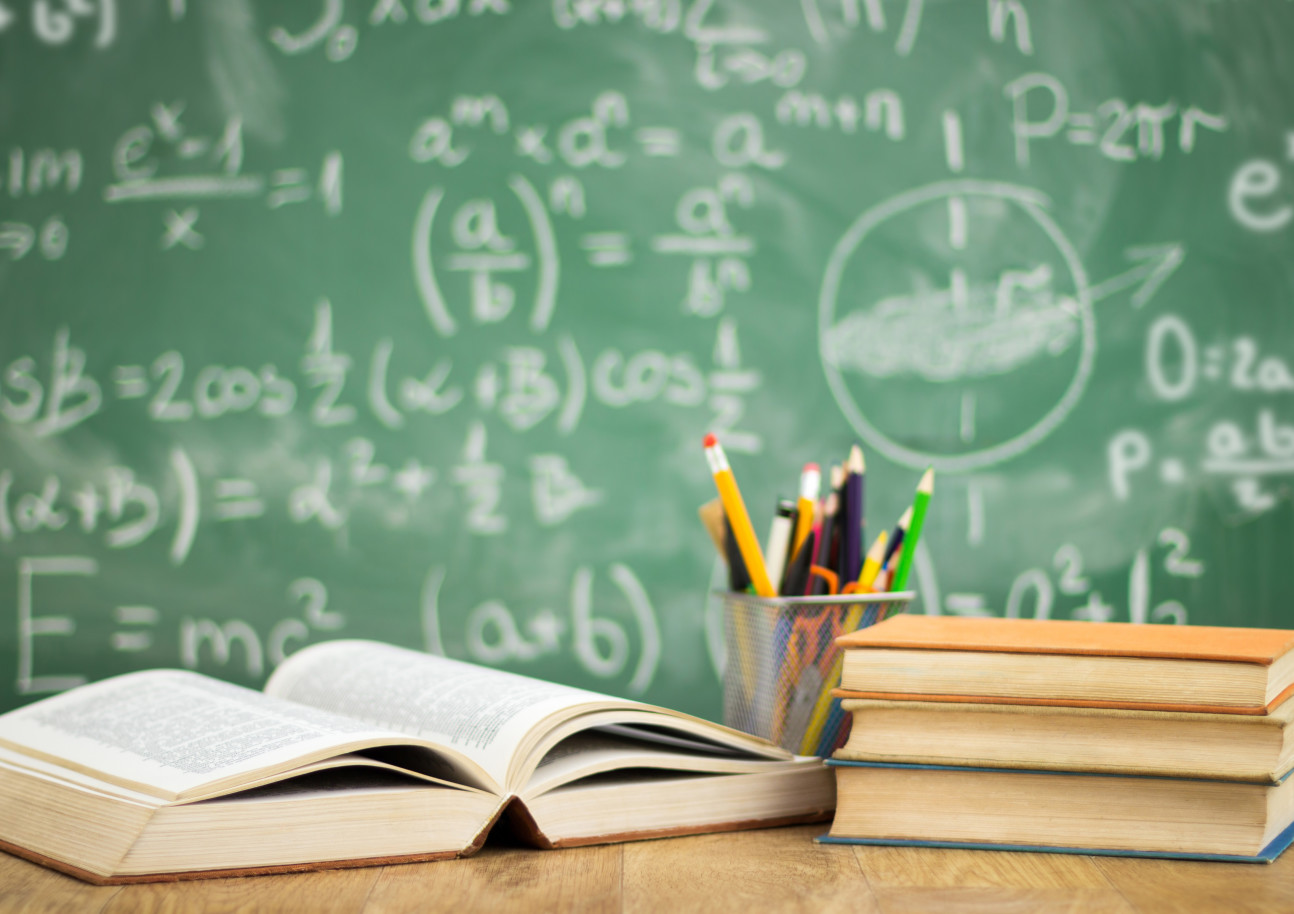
363 753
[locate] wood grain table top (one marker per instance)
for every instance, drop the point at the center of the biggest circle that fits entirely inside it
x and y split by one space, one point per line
775 869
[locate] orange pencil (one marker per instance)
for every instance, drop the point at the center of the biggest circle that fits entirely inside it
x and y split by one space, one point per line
735 508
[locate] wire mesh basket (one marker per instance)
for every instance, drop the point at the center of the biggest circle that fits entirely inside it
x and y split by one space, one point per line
783 663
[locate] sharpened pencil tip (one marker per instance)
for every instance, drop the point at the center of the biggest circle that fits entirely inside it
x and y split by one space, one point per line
710 440
856 464
927 483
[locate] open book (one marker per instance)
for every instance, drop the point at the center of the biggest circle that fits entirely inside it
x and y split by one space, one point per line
360 752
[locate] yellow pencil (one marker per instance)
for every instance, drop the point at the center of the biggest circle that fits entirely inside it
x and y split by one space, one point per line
872 566
822 709
810 483
735 508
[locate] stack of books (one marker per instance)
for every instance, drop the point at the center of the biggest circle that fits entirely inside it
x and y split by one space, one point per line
1070 737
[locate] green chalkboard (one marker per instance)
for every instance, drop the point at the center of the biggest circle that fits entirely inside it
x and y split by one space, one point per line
404 319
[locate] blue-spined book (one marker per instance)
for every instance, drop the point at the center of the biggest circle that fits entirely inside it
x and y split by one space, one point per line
1061 812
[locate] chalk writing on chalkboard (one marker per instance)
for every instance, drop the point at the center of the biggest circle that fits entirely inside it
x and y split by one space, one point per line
404 320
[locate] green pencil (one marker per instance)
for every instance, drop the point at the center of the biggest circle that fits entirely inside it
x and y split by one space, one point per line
925 488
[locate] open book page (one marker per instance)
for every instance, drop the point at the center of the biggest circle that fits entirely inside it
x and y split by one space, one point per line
169 733
345 762
488 715
610 749
36 767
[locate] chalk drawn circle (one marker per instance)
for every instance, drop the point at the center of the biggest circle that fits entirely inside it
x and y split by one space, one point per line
869 225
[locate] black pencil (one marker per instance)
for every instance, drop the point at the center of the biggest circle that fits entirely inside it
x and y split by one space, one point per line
853 526
738 576
797 573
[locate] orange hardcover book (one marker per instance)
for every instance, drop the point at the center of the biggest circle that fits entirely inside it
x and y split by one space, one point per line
1077 664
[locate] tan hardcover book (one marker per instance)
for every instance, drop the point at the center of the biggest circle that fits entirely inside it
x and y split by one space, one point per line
1241 747
1061 811
1078 664
362 753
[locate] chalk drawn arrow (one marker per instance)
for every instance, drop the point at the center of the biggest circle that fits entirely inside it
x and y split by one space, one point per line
17 237
1154 263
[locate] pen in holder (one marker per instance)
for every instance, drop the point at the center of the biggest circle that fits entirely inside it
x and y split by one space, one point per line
783 663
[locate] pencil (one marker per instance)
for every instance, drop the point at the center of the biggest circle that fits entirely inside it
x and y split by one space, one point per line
830 506
735 508
925 488
896 539
825 714
738 576
711 514
836 556
797 572
779 540
831 730
810 483
851 541
872 566
826 704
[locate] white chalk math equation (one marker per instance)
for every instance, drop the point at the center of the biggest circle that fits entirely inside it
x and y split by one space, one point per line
50 393
600 641
523 386
1260 196
828 21
487 257
1041 109
727 52
606 138
608 624
484 245
507 241
254 648
1248 444
1042 592
719 255
166 161
49 239
120 508
57 23
602 137
50 176
555 263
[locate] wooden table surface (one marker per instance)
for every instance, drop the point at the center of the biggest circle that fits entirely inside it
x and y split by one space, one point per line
776 869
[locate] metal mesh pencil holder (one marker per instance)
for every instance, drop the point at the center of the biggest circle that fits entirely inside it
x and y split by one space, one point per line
783 663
